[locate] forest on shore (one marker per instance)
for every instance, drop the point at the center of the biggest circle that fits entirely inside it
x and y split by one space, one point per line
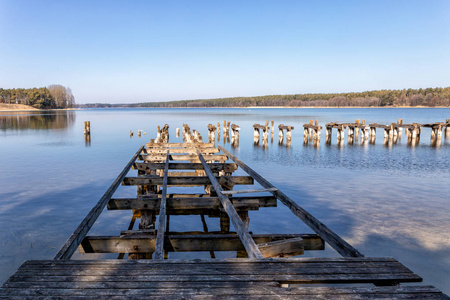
53 96
430 97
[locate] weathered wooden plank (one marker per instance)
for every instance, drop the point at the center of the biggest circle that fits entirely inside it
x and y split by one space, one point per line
335 241
215 167
228 297
79 234
282 248
228 290
159 251
212 270
248 191
186 150
181 180
191 158
186 243
246 239
179 145
251 203
232 261
284 278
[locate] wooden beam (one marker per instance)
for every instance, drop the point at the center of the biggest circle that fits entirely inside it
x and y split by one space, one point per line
181 180
187 150
282 248
187 243
248 191
181 203
179 145
79 234
247 241
335 241
181 157
215 167
159 252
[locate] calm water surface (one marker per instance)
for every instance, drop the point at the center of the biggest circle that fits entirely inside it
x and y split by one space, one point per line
384 200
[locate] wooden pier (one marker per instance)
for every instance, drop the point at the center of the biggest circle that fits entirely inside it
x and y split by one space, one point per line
267 266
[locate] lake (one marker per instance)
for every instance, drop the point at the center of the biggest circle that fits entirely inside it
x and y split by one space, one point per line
385 200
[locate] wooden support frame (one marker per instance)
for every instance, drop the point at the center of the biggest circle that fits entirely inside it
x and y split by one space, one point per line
335 241
80 233
159 251
177 242
248 242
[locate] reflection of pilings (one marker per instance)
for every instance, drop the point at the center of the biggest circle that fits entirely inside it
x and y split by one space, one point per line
87 140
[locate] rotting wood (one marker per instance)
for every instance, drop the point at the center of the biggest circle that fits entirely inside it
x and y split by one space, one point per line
335 241
186 203
282 248
79 234
248 191
159 248
182 180
215 167
146 242
247 241
191 158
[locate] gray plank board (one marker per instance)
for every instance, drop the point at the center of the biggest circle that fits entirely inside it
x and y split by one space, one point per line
159 247
182 203
183 243
230 291
180 180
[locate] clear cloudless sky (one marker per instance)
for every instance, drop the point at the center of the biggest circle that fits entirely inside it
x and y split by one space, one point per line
139 51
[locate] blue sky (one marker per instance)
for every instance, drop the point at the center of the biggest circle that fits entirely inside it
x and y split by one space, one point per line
138 51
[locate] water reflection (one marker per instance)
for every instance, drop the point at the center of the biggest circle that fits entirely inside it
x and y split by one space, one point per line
37 120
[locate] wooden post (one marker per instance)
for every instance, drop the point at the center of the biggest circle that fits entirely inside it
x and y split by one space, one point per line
400 129
328 133
87 127
271 135
178 132
288 133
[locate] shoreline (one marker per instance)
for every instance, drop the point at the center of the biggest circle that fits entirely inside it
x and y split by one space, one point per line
23 108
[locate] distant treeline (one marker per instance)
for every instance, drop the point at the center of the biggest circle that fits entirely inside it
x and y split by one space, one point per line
53 96
407 97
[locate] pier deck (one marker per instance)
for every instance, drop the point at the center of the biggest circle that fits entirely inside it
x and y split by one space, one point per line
266 266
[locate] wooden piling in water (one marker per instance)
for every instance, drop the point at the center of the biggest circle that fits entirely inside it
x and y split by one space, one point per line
87 127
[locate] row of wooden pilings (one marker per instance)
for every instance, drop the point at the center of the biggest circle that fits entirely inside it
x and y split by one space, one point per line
357 130
227 126
392 132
